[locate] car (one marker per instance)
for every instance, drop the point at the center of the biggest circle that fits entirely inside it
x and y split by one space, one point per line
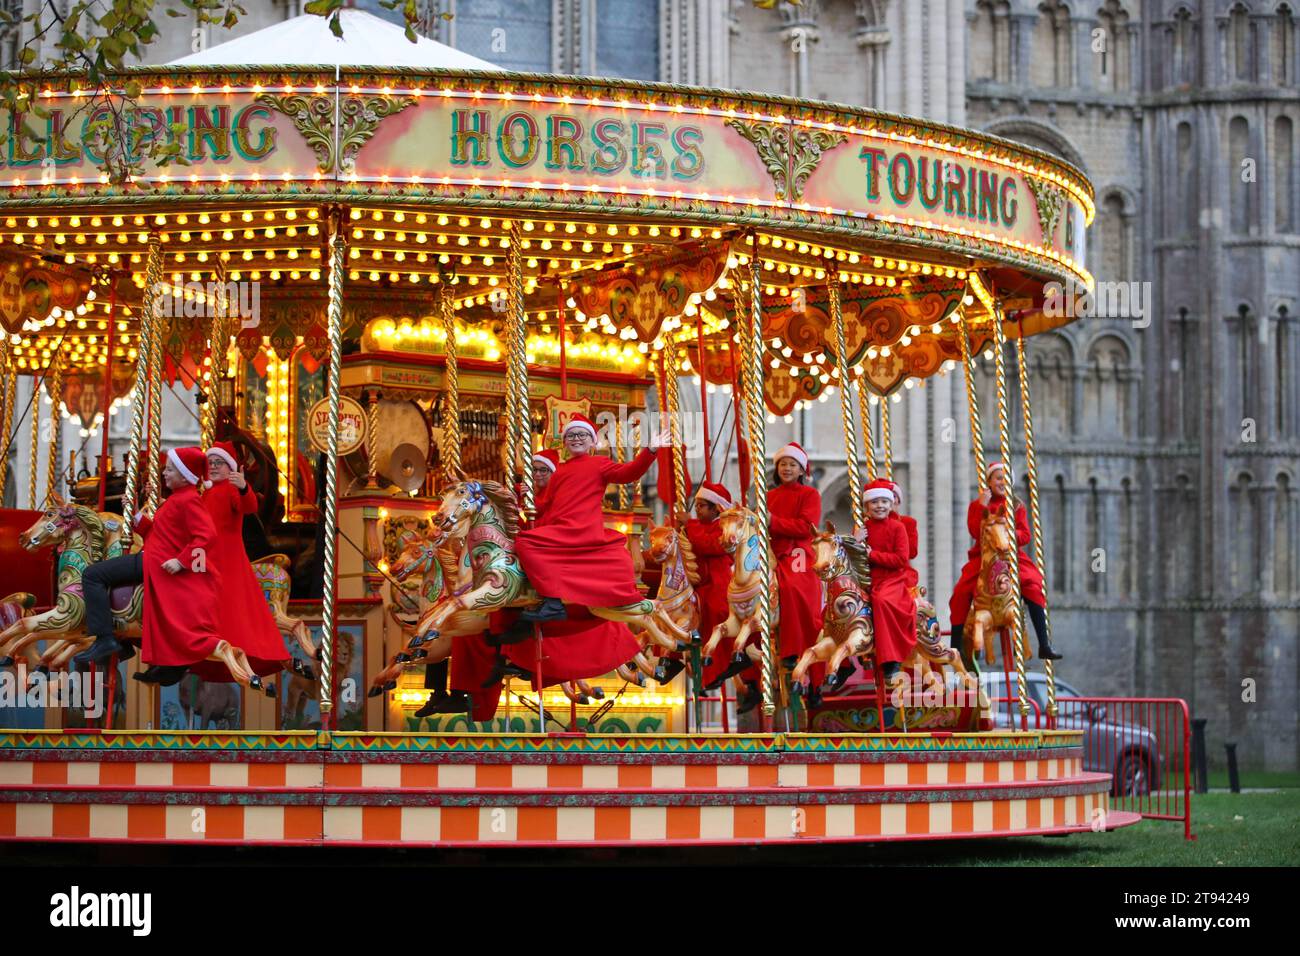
1126 750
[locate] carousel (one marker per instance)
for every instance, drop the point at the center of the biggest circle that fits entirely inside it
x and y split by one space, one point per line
393 289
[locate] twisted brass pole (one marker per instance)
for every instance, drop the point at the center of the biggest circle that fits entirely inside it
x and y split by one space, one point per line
153 363
1031 469
34 470
864 414
973 404
218 343
451 390
886 442
10 393
673 399
1004 435
517 358
139 399
758 457
56 430
846 403
334 329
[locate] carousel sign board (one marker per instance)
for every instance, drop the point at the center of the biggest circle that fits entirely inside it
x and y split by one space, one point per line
352 425
544 144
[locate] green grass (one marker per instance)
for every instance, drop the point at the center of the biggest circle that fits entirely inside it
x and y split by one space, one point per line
1256 778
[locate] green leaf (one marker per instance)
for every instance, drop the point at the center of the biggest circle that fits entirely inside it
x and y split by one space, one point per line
231 19
336 26
27 56
321 8
133 88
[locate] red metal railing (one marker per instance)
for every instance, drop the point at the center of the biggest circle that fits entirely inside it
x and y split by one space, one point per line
1145 744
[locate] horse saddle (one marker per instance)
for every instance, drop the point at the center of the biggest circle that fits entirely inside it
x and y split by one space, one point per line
119 598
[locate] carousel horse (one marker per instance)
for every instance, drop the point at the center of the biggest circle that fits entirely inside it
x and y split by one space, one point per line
996 601
740 538
83 537
931 655
475 527
840 561
671 550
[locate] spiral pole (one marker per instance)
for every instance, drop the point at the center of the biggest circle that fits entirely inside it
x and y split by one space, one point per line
886 442
973 405
1031 469
673 399
517 358
451 391
10 393
1004 436
139 403
758 457
846 403
153 364
56 431
864 414
218 343
334 328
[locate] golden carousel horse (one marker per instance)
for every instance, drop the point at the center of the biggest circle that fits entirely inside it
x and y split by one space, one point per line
931 655
996 601
83 537
474 530
671 550
741 539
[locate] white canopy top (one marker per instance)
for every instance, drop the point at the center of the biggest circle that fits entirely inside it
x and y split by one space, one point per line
307 41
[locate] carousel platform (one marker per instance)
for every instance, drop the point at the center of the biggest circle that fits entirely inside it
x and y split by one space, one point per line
306 788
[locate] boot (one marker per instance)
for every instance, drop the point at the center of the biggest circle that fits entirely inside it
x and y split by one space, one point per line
551 609
161 674
667 669
517 633
503 669
753 697
105 646
1047 652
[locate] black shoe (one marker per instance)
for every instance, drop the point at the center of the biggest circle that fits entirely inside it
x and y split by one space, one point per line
302 668
667 669
457 702
789 662
99 652
127 652
598 693
837 680
753 697
517 633
814 699
6 661
739 662
1047 652
504 669
161 674
551 609
436 699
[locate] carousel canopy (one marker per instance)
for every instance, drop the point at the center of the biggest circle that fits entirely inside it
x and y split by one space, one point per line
307 41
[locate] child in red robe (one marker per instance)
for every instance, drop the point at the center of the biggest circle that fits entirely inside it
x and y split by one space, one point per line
913 536
893 611
243 613
1031 582
795 510
182 583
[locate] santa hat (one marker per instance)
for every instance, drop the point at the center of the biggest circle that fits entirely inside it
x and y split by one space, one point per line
714 493
549 457
226 452
998 466
190 462
795 451
898 492
880 488
578 421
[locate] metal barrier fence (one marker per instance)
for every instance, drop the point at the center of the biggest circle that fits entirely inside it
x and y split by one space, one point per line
1145 744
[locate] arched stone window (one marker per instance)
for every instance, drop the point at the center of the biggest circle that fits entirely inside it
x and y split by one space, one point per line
1286 538
1114 64
1183 216
1245 535
1128 539
1241 44
1058 542
1181 555
1106 383
1051 57
1095 537
1284 175
1282 55
1184 61
981 57
1243 192
1114 230
1051 383
1286 359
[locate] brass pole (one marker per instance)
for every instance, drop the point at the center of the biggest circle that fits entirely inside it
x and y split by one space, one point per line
56 430
846 402
1004 435
153 362
517 359
673 398
218 342
864 414
1031 469
886 443
758 457
334 328
451 390
973 404
33 471
140 392
10 393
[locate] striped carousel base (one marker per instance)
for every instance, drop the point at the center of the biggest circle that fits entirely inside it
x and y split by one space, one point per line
507 790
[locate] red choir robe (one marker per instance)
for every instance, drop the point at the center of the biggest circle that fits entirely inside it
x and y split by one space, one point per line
893 611
913 547
715 567
581 647
243 615
1031 582
180 610
794 511
569 553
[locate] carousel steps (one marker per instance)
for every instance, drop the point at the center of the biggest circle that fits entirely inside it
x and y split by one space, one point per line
480 790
